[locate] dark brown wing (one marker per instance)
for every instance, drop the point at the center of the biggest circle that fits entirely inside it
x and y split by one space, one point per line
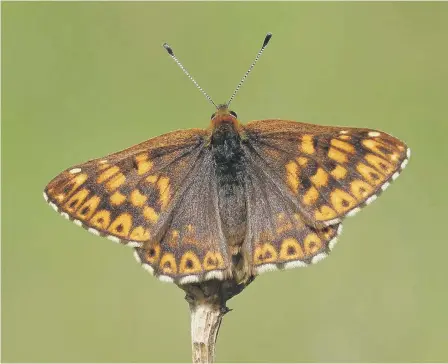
159 196
278 236
329 172
125 195
193 247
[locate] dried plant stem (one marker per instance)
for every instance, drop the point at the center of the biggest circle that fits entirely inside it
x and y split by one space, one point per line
205 322
207 302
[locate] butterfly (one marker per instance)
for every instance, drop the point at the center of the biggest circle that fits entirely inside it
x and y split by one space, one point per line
233 200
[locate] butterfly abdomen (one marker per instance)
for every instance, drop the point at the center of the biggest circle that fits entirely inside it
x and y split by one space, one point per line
230 167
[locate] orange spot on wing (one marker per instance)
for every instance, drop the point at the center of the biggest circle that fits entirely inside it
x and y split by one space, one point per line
68 187
337 155
343 145
137 199
103 165
292 178
377 147
115 182
139 234
101 219
291 250
265 253
117 198
342 201
189 264
164 189
152 253
360 189
89 207
76 200
307 144
143 163
107 174
320 178
371 175
151 179
339 172
213 261
325 213
168 264
310 197
302 161
121 225
150 214
379 163
312 244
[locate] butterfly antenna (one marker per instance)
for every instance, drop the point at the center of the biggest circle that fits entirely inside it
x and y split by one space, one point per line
265 43
171 53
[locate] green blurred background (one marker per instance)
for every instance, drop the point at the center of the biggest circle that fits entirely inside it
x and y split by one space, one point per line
82 80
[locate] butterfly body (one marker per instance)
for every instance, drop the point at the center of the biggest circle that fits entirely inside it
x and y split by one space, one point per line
230 169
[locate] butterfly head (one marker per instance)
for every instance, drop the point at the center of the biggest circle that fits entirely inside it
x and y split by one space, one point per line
223 115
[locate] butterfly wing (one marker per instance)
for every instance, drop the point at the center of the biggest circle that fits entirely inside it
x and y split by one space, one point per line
193 247
329 172
158 196
278 237
126 196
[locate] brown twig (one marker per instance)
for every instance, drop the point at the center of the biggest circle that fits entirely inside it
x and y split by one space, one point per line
207 302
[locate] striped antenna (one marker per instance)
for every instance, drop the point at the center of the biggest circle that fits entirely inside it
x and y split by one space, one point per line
171 53
265 43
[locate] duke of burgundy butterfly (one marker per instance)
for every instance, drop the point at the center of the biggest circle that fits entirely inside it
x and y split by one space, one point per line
233 200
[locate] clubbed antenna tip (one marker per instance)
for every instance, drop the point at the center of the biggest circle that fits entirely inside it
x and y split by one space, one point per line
266 40
168 49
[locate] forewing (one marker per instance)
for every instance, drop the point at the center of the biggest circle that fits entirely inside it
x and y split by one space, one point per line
278 235
329 172
127 196
192 247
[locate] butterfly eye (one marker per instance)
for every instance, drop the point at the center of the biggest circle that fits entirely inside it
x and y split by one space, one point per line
213 115
233 113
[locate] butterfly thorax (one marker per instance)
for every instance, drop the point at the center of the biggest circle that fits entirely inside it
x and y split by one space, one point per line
230 168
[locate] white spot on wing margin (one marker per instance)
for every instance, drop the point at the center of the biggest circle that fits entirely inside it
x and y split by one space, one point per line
188 279
150 270
295 264
266 268
353 212
214 274
332 243
165 279
318 258
137 257
93 231
77 222
53 206
113 238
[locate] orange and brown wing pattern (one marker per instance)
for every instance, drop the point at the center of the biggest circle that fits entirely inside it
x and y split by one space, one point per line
278 235
159 197
192 247
126 196
330 172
